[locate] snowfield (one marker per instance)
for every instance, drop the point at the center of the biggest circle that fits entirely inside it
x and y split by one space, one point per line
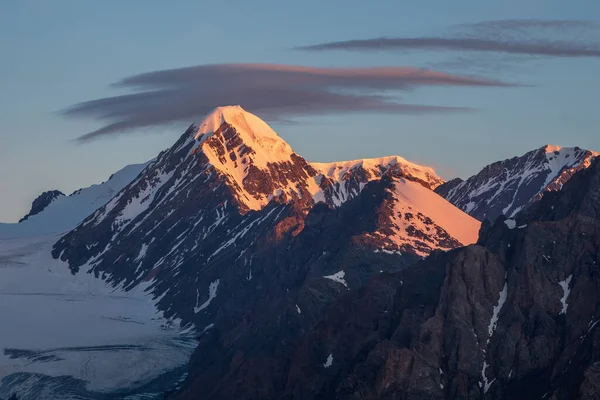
57 324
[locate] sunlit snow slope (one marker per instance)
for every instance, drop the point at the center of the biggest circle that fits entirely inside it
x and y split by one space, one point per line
416 220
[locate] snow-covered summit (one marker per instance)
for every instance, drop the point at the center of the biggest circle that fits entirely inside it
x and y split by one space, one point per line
246 123
378 166
250 129
256 162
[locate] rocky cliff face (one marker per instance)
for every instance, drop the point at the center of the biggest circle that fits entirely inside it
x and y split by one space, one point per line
513 317
41 202
506 187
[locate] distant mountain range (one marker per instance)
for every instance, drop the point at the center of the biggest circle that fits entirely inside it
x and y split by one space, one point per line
335 280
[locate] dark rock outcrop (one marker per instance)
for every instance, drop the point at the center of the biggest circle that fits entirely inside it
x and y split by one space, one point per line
41 202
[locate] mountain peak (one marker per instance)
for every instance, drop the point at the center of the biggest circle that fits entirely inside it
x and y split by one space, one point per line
258 163
377 166
246 124
246 131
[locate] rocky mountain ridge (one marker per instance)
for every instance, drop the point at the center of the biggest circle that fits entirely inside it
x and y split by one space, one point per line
506 187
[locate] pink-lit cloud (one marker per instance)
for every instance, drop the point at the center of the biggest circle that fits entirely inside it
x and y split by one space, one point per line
274 92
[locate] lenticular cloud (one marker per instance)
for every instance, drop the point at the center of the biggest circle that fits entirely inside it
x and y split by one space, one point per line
273 91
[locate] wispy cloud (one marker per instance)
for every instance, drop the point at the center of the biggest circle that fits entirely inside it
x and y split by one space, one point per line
274 92
543 48
553 38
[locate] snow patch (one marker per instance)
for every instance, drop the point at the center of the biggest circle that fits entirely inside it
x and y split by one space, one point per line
497 308
510 223
212 293
142 253
329 361
338 277
486 384
386 251
566 290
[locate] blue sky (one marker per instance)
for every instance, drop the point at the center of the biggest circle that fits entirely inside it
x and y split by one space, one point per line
60 53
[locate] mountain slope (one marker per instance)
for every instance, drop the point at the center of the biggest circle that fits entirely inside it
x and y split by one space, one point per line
64 213
252 248
294 279
506 187
513 317
414 220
